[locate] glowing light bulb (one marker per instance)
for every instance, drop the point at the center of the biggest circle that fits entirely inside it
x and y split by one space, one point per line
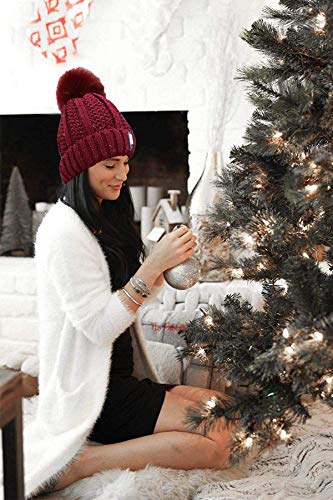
277 135
320 21
248 239
312 188
248 442
305 255
211 403
289 351
318 336
284 435
201 354
285 333
208 320
329 380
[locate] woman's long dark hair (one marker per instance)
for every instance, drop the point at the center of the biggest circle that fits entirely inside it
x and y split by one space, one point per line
120 239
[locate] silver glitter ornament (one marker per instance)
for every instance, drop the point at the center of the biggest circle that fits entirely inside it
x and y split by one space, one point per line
184 275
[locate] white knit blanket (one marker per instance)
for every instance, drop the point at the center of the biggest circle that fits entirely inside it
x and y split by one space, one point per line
300 470
303 469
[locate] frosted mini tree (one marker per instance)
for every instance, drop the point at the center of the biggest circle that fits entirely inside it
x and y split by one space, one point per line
16 235
277 200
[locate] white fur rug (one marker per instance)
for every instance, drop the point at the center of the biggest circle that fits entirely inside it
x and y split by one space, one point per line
301 470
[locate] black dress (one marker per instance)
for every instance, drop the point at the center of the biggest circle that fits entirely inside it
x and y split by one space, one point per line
131 406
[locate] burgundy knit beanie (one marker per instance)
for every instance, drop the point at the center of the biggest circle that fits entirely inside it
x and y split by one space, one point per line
91 128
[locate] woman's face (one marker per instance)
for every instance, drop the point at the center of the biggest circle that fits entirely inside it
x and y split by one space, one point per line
107 176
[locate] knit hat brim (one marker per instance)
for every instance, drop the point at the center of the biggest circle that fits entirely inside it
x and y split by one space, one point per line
94 148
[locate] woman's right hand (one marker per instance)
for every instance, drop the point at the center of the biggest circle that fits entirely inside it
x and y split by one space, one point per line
173 248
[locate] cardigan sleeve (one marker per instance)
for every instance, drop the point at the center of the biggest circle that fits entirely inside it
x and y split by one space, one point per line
84 290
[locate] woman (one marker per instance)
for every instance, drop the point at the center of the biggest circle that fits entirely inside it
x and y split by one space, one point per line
91 386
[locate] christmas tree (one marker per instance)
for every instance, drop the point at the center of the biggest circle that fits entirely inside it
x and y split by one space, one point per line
276 199
16 236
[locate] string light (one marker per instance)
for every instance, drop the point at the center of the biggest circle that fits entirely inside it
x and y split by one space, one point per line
248 442
208 320
248 240
311 188
289 351
320 22
305 255
281 37
277 137
211 403
285 333
318 336
201 354
313 165
284 435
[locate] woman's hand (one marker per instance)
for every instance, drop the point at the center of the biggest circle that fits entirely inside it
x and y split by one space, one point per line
173 248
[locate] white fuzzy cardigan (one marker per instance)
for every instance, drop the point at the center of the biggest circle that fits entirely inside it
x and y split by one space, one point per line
79 319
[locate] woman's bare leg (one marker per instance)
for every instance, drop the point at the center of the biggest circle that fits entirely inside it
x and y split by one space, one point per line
176 448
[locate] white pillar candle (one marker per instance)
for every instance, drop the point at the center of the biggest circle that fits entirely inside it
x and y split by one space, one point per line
146 224
41 206
139 199
154 194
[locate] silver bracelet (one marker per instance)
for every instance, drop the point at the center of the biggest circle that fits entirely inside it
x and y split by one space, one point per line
137 288
130 297
142 284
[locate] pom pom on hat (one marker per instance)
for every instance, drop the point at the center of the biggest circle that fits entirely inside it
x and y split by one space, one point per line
77 82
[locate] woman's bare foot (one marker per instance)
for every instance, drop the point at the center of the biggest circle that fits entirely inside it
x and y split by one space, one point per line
75 471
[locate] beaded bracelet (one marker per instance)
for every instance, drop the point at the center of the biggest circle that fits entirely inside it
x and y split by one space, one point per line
142 284
130 297
143 294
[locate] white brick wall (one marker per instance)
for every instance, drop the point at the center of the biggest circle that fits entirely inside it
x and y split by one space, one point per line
18 305
114 43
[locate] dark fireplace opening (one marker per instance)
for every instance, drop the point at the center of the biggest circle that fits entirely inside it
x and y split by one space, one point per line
29 142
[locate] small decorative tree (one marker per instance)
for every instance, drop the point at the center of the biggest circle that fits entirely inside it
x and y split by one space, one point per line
16 235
